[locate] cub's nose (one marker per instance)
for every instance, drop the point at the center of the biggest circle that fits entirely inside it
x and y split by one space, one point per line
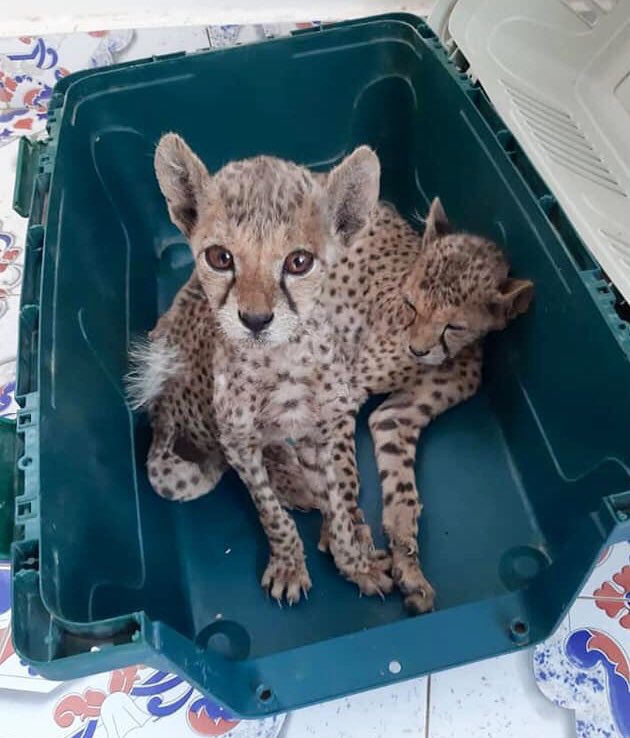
255 321
419 353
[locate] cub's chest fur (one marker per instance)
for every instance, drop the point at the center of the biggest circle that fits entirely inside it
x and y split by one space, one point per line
275 392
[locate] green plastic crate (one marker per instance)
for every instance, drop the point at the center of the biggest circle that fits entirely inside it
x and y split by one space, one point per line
523 485
7 462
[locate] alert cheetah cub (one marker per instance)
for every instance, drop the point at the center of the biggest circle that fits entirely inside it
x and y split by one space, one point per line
247 354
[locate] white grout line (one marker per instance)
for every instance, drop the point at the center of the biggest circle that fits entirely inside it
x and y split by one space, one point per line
621 598
427 716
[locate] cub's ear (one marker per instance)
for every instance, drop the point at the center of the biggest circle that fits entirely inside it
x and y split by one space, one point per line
352 189
436 224
512 299
183 179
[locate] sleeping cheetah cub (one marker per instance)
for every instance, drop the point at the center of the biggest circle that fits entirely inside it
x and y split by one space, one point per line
247 354
410 312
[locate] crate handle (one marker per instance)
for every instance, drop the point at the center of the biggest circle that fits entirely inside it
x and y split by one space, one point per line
28 157
7 484
618 507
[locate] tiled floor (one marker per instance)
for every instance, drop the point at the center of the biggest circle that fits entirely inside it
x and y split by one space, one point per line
576 683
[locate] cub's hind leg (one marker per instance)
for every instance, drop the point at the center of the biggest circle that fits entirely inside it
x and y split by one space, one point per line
396 426
178 470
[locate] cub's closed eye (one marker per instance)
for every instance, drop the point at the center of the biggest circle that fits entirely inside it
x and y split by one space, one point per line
219 258
298 262
409 304
451 327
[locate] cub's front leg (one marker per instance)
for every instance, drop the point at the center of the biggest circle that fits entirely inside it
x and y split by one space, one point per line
343 529
286 574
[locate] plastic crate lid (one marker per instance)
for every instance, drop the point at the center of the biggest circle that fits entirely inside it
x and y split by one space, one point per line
558 72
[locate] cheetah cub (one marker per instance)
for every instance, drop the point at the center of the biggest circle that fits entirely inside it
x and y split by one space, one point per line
247 354
411 312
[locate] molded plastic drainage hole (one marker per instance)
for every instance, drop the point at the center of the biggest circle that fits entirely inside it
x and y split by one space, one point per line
519 631
264 693
24 508
225 638
520 565
395 667
220 643
25 461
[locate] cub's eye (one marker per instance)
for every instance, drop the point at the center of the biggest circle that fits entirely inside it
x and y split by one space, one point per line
450 327
409 304
299 262
219 258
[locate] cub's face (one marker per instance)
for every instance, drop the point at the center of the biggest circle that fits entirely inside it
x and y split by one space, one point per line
458 291
264 232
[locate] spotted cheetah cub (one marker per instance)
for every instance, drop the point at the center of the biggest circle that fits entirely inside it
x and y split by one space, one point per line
247 354
411 312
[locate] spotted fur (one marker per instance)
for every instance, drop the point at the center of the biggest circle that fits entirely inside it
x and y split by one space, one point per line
407 315
260 362
410 312
153 364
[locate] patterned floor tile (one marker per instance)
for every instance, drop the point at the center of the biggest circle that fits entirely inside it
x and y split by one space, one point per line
390 712
30 66
608 580
611 617
157 41
12 232
584 667
135 702
11 221
232 35
494 698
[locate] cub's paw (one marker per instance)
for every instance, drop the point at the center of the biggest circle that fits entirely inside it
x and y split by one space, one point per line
324 537
419 594
286 578
359 562
371 574
373 582
422 601
381 559
363 534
